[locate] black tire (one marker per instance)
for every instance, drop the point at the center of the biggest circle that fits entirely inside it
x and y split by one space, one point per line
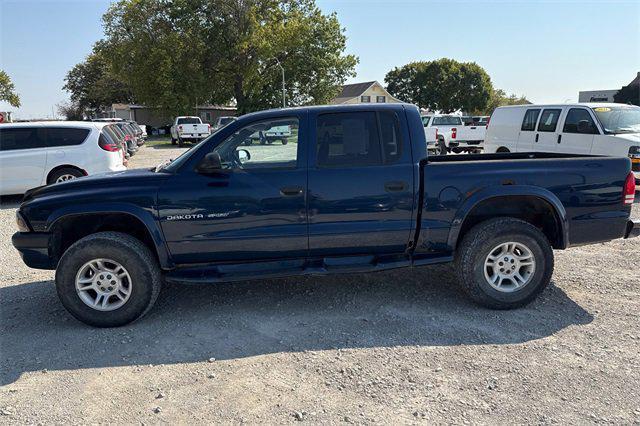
479 242
133 255
284 141
66 171
173 141
441 147
180 142
502 149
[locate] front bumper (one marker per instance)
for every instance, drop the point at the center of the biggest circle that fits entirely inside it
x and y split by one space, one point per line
34 249
633 229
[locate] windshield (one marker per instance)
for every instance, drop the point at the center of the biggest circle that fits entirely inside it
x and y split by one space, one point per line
189 120
619 119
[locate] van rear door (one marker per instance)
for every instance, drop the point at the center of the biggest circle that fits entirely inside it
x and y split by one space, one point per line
527 136
548 136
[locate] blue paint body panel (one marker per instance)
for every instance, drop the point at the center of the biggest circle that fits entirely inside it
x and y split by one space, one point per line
238 224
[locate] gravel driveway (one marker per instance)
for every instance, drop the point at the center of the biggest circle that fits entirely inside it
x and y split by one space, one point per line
393 347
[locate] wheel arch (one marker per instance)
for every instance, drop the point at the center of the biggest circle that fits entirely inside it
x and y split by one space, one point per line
535 205
74 223
64 166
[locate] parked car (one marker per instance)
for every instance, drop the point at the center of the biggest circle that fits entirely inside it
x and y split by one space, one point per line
141 136
42 153
144 131
452 135
189 129
475 120
589 128
223 121
362 197
130 138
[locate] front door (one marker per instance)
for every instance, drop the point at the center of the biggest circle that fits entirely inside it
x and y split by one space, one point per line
578 132
360 183
253 209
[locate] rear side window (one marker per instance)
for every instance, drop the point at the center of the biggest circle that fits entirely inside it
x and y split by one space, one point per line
575 116
446 121
65 136
530 119
390 136
22 138
348 139
549 120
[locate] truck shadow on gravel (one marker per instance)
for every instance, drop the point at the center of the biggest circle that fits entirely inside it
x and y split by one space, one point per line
419 307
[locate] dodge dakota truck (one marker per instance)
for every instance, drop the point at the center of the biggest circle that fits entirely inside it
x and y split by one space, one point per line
362 195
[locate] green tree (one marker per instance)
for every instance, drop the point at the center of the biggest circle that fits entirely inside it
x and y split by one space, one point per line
628 95
500 98
70 110
445 85
176 54
93 85
7 90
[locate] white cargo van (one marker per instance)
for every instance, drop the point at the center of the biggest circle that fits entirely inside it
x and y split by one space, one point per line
589 128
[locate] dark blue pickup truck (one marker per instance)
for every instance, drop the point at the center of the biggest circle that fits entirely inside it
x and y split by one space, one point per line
351 190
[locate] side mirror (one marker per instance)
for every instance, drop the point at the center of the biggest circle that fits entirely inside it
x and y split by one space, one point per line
211 163
243 155
584 126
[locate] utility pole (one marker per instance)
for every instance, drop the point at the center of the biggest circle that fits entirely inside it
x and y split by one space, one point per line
284 93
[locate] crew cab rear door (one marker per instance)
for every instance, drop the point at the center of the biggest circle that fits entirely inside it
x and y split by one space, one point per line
360 181
254 208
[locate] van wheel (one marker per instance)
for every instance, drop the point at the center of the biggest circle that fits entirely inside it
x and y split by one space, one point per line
503 149
108 279
63 175
504 263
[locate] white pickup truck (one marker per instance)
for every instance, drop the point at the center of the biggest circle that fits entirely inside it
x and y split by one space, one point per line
452 135
189 129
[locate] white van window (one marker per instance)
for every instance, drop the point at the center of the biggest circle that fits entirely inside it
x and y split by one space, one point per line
619 119
574 117
549 120
530 119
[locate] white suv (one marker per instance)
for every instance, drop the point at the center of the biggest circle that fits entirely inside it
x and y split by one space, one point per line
41 153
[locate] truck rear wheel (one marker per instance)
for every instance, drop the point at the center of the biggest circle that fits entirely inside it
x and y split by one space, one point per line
441 147
504 263
173 141
108 279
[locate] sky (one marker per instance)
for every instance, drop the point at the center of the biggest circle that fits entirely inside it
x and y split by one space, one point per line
545 50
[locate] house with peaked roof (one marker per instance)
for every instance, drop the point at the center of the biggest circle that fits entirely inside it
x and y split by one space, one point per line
361 93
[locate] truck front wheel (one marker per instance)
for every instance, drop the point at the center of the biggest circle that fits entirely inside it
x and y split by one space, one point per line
504 263
108 279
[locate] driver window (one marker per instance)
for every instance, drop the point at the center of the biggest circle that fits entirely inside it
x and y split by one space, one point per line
269 144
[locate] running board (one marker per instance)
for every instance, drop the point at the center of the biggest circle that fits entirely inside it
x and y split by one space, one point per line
229 272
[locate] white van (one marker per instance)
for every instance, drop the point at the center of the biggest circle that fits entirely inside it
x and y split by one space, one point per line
41 153
589 128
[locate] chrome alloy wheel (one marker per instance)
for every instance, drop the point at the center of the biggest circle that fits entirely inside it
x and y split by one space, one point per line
509 267
103 284
64 178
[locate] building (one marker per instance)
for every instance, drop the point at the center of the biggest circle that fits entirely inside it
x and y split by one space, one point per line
154 117
604 95
364 93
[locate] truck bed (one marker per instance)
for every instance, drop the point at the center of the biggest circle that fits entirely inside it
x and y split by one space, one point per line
585 190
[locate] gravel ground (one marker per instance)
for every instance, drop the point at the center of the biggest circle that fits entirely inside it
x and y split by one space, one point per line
394 347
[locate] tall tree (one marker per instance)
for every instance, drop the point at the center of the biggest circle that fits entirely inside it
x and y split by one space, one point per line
8 91
176 54
628 95
93 85
444 85
500 98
